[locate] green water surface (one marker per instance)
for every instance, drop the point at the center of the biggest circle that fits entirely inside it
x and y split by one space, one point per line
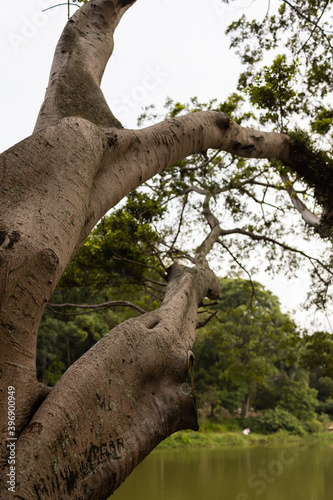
280 473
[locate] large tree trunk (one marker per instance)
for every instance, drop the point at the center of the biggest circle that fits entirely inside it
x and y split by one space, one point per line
135 387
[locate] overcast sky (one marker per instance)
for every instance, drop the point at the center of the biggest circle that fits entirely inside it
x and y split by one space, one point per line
174 48
163 48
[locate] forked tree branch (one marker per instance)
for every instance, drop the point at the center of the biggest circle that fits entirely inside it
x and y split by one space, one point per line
315 23
268 239
217 231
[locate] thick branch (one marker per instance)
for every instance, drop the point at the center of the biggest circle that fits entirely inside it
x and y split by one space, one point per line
146 152
197 132
81 55
118 401
79 62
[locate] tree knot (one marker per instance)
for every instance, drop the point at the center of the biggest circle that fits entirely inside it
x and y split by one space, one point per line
48 260
174 271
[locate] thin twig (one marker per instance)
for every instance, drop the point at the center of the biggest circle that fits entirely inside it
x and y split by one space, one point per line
95 307
240 265
120 257
202 165
308 19
262 202
315 25
259 237
180 222
200 324
59 4
209 304
150 244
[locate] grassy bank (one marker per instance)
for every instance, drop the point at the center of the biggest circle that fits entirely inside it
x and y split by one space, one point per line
208 438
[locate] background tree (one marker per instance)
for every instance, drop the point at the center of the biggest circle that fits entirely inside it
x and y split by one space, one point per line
317 359
252 340
299 400
135 386
318 353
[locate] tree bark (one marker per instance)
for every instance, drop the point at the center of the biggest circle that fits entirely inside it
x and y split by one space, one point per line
118 401
135 386
246 405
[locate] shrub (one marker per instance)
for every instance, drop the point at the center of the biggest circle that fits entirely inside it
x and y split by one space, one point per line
313 426
221 425
275 420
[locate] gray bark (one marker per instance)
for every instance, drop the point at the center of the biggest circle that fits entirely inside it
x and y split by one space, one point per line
135 387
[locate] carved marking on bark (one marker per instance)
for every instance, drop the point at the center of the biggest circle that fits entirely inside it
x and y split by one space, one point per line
3 237
34 428
25 287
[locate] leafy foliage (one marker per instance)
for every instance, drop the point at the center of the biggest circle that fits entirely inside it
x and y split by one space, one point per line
318 353
273 90
293 92
121 248
248 345
299 400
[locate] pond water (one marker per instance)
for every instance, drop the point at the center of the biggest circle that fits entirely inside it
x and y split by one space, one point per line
270 473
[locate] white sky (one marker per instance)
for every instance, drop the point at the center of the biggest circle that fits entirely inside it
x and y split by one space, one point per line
163 48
